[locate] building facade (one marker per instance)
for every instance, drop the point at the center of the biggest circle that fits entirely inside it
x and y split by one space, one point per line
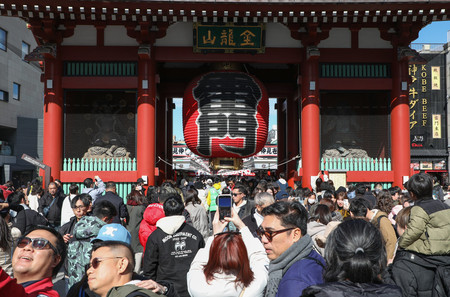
21 102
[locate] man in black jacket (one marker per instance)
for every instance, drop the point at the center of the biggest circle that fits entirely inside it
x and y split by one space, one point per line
116 200
25 218
171 247
242 206
50 205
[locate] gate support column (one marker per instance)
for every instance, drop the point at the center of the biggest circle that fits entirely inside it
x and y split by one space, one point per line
146 114
53 114
310 116
400 141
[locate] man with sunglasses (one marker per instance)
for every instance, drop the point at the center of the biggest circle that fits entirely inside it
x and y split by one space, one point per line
110 272
294 265
241 205
38 256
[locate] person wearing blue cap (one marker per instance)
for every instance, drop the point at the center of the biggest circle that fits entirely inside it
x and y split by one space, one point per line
113 232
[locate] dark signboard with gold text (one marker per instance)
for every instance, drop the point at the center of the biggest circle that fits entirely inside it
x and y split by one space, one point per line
427 106
229 38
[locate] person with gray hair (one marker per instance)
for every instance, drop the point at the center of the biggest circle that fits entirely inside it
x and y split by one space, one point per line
254 220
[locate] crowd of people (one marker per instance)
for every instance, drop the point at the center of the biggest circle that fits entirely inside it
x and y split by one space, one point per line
275 241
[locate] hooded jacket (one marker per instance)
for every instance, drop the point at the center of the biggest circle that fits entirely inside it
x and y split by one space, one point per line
10 287
349 289
79 251
170 250
151 216
420 275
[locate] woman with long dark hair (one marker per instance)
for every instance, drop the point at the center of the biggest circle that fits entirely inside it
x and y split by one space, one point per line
197 212
232 264
136 204
355 257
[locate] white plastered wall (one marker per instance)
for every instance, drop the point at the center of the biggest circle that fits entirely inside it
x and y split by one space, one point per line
338 38
84 35
370 38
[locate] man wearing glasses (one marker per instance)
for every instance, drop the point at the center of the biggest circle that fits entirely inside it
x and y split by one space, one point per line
111 270
38 256
294 265
241 205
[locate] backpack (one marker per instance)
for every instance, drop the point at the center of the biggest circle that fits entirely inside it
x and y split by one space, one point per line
379 220
130 291
78 256
441 287
79 251
437 193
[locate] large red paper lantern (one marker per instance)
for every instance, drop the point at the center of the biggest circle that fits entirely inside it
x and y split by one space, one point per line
225 114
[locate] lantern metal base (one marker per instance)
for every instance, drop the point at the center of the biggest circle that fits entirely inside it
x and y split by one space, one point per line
226 163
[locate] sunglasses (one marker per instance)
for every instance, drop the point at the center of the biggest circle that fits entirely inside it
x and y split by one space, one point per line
36 243
96 261
235 194
270 234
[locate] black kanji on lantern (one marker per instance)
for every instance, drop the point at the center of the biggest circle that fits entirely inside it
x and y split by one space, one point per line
227 105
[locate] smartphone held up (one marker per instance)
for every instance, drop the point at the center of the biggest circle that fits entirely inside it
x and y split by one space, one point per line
224 203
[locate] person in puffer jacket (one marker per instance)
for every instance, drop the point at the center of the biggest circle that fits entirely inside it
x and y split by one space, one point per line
429 223
79 251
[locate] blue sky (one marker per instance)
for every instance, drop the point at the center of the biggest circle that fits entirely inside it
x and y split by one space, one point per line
433 33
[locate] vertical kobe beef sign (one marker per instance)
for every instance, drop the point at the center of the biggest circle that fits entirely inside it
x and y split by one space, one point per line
225 114
427 118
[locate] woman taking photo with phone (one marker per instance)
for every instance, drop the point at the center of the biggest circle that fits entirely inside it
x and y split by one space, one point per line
232 264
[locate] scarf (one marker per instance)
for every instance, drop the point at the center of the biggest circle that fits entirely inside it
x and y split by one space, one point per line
279 266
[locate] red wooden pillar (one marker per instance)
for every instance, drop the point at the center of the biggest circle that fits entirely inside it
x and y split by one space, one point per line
310 119
53 116
169 138
146 115
400 142
281 131
292 139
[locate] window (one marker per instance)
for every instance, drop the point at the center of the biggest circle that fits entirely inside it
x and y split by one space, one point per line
25 49
3 96
16 91
2 39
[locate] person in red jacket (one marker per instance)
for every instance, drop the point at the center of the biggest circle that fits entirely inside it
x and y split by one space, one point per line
152 214
38 256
